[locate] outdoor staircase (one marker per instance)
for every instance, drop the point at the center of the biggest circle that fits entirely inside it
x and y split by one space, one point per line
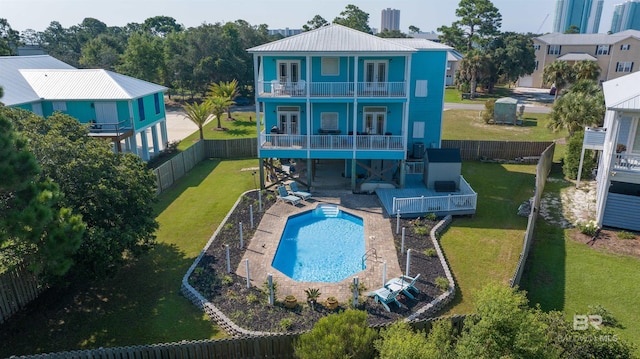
327 210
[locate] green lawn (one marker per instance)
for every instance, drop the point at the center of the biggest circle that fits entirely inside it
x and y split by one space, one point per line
566 275
241 127
486 248
142 304
453 95
468 125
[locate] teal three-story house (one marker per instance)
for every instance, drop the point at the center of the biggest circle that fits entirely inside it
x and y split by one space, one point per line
337 94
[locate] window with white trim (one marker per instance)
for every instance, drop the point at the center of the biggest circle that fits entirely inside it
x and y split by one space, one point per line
59 106
330 66
624 66
554 49
329 120
603 49
625 47
536 47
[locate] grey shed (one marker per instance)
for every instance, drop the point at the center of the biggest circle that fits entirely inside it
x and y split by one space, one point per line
505 111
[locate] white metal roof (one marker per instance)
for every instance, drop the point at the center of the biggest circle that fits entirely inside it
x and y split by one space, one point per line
420 44
90 84
557 38
453 55
332 38
623 93
16 88
576 56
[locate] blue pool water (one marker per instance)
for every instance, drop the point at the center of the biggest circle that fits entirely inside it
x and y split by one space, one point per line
321 246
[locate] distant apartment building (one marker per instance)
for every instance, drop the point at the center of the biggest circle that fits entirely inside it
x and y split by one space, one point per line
626 16
286 32
616 54
390 19
583 14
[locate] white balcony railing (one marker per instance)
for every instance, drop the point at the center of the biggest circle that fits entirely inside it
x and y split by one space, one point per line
331 89
627 162
331 142
464 200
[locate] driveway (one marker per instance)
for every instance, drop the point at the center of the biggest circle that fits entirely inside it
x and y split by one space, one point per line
178 126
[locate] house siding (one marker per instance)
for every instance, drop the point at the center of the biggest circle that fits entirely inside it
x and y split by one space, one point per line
149 110
621 212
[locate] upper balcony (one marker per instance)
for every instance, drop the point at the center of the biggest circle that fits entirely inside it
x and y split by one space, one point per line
627 162
300 89
358 142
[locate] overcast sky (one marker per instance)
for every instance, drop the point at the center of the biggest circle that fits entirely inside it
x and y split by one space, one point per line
428 15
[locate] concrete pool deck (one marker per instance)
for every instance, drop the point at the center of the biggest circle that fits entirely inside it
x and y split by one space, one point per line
377 233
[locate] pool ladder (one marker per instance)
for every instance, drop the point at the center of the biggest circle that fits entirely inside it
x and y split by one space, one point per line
370 253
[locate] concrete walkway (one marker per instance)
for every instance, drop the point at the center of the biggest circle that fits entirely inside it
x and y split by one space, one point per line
377 232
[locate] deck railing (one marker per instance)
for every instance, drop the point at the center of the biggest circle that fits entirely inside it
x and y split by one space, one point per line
627 162
96 128
331 142
466 200
331 89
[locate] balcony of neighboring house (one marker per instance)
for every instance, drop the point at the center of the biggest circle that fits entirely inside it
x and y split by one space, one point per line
627 162
114 130
332 141
302 89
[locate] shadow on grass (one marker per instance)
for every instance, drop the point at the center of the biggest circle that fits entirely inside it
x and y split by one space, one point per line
140 305
544 277
529 122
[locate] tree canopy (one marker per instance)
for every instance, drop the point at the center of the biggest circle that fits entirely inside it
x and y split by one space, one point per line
479 21
354 18
315 23
112 192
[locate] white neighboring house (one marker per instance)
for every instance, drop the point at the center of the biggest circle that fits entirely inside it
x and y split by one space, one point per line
453 61
618 179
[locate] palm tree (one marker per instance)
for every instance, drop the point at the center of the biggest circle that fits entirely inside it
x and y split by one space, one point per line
575 110
470 67
227 89
218 105
558 73
199 114
586 70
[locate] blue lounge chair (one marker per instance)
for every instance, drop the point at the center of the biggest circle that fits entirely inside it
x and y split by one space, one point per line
384 296
297 192
286 197
404 284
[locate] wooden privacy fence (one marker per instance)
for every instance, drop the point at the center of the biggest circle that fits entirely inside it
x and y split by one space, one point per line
271 346
508 150
17 288
237 148
542 172
178 166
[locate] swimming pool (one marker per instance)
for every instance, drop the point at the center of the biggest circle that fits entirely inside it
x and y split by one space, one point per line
321 245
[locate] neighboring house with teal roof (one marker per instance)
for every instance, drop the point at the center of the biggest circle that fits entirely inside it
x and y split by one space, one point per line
618 176
125 110
368 105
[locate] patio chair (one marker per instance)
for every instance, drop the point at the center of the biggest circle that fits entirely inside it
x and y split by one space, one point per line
404 284
385 297
286 197
297 192
300 87
276 87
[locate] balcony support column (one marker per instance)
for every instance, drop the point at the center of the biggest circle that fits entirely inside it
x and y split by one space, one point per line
154 139
353 174
402 173
163 134
144 142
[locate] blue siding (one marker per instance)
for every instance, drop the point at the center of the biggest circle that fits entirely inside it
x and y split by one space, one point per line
345 74
430 66
150 115
622 211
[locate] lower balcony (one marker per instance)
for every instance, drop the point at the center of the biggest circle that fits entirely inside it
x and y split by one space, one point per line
332 142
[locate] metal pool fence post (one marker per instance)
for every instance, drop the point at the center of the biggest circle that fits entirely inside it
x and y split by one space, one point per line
402 243
251 214
355 291
270 284
408 262
226 249
384 272
398 222
246 262
259 201
241 239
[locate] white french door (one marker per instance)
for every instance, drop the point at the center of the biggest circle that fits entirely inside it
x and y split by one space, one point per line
375 120
288 71
375 73
106 112
289 120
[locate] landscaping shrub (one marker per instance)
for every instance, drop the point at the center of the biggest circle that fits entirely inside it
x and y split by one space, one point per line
342 335
572 158
430 252
590 228
489 108
626 235
442 283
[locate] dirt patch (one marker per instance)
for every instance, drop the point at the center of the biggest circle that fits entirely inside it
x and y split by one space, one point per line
247 307
610 241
